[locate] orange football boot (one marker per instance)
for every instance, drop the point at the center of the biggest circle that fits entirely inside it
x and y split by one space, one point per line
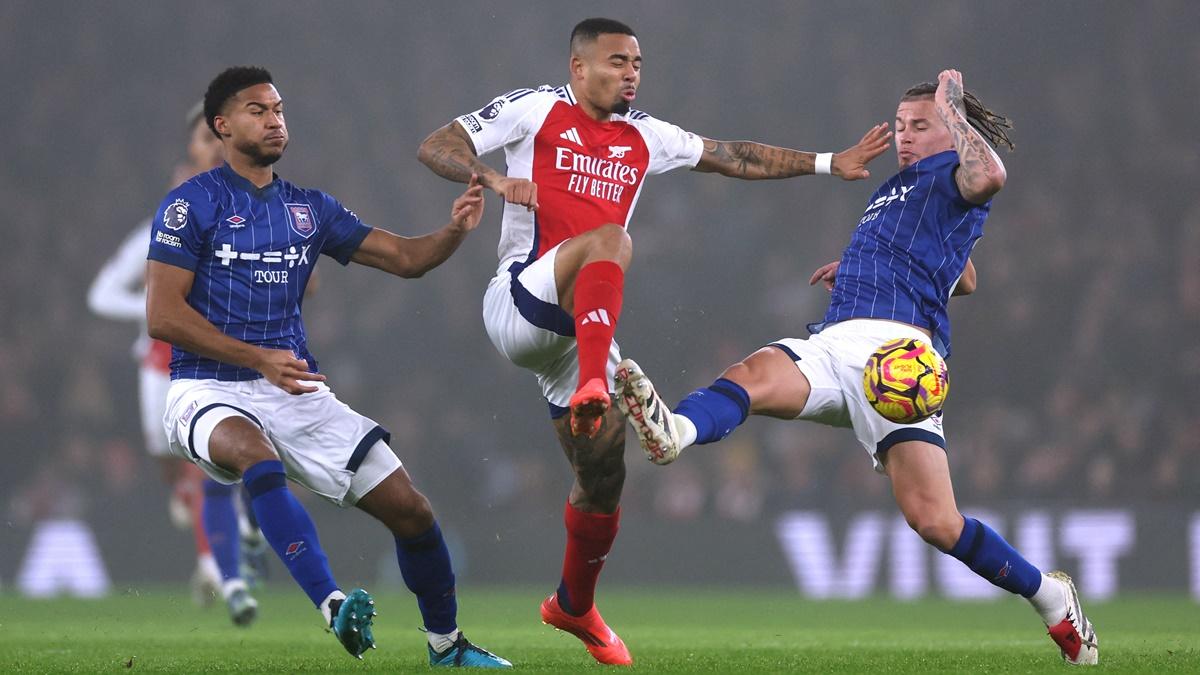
602 643
588 405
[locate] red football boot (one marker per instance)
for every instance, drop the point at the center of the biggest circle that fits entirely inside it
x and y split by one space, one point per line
602 643
1074 635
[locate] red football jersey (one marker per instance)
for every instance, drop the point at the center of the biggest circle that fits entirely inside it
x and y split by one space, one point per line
588 173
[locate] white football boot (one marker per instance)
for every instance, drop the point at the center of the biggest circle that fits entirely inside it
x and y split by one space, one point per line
1074 635
652 420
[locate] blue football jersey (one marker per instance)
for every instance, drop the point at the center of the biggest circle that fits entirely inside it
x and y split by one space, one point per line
909 250
252 251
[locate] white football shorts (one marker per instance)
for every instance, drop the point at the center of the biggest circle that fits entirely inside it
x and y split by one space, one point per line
324 445
833 362
153 384
526 324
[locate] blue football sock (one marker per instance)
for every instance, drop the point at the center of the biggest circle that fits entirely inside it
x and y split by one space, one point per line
425 565
249 511
289 530
989 556
221 527
716 410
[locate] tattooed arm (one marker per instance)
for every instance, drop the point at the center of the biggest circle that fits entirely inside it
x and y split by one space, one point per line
449 153
980 174
755 161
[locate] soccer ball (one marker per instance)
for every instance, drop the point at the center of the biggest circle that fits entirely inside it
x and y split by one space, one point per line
906 381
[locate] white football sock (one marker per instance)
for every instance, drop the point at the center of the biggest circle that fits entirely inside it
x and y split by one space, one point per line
1050 601
231 586
440 642
686 430
326 611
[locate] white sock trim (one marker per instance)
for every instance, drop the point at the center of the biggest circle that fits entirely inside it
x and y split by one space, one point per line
325 610
440 642
231 586
1050 601
686 430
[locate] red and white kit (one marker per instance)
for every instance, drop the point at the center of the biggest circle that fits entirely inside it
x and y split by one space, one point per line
588 174
119 293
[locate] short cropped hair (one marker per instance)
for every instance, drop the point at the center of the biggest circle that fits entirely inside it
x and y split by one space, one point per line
590 29
226 85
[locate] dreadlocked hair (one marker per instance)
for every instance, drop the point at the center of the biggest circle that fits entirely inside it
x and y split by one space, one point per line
992 126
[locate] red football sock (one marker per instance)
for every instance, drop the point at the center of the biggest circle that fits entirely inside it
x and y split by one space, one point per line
598 293
589 539
192 493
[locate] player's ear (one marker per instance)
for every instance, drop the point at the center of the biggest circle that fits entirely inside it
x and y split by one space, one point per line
221 125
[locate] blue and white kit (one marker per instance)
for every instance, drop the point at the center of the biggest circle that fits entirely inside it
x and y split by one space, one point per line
252 251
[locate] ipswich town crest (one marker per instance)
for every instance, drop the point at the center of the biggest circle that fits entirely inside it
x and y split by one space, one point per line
301 219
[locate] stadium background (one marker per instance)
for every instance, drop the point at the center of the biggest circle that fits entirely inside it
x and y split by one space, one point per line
1072 416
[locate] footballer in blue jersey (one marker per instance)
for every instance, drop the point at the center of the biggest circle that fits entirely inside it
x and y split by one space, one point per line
230 254
909 252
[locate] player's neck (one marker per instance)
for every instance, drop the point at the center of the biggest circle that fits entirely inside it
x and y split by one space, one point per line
594 112
259 176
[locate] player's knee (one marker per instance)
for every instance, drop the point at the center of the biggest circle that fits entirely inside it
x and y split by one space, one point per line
938 530
613 240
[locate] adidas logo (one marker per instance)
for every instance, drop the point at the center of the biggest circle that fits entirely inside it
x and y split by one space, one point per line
596 315
571 135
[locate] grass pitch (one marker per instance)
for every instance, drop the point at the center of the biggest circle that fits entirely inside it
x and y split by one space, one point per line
668 631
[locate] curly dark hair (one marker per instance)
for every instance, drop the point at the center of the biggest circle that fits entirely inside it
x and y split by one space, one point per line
991 125
226 85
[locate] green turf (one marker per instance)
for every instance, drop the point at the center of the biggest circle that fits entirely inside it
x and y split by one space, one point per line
675 631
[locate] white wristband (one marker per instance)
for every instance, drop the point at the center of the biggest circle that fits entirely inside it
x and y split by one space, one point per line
824 161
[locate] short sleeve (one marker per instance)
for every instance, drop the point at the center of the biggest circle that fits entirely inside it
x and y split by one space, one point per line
947 164
179 229
505 119
670 147
344 232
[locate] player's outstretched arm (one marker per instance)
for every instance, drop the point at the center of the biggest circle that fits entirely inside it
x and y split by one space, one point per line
171 319
980 173
449 153
411 257
756 161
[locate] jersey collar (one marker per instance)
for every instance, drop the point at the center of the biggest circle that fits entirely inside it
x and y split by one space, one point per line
265 193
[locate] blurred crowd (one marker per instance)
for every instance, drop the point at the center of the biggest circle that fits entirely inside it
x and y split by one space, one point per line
1075 368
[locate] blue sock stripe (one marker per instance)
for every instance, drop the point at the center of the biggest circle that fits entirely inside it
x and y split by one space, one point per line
987 554
265 483
251 477
716 410
734 391
976 541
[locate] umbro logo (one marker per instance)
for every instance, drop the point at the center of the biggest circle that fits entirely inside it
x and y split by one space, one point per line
596 316
236 222
571 135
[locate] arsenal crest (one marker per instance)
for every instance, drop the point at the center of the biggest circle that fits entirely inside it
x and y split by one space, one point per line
301 219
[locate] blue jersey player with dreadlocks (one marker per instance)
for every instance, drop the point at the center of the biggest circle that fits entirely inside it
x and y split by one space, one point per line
909 253
230 254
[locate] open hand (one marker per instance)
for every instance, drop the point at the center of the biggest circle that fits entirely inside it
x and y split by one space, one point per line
467 210
851 163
